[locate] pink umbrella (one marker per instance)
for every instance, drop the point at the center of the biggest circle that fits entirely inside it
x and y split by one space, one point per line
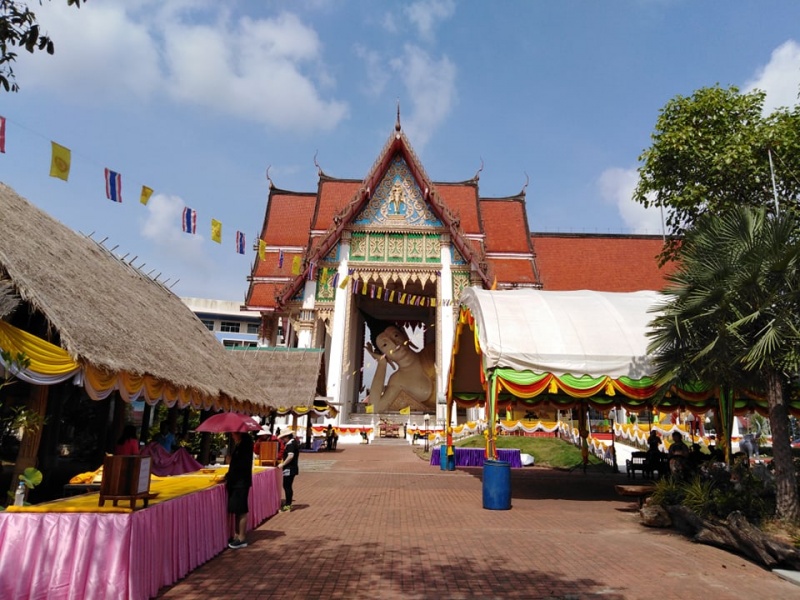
228 421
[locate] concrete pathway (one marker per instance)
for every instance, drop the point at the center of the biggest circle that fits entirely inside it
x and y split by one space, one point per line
377 522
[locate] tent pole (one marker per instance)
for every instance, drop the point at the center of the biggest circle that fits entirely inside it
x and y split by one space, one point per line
583 431
491 405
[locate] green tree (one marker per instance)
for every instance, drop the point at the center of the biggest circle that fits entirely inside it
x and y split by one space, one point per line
730 321
711 153
20 29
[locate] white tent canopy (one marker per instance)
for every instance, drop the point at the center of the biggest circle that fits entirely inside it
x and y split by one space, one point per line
575 332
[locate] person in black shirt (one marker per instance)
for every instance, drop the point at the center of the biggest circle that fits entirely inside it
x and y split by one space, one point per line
289 464
238 481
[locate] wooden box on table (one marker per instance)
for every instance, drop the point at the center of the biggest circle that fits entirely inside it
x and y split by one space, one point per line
126 478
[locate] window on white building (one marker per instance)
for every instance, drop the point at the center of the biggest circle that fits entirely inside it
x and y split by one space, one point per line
229 326
208 323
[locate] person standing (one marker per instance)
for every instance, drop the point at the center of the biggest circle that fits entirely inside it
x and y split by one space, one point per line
127 443
238 481
289 464
678 455
166 437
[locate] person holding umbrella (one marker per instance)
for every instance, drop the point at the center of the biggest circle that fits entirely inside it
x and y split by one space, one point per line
238 481
239 478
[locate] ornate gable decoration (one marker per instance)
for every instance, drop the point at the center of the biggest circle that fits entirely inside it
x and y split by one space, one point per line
397 202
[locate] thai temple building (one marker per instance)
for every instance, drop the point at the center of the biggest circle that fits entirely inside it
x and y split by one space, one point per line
395 248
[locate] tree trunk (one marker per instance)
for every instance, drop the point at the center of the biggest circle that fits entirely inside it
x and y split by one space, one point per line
736 534
29 445
787 503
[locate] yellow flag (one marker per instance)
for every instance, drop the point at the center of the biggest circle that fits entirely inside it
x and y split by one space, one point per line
494 283
405 411
323 279
60 161
344 282
146 193
370 409
216 231
296 265
262 249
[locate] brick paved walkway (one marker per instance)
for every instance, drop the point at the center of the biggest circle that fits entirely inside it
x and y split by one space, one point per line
377 522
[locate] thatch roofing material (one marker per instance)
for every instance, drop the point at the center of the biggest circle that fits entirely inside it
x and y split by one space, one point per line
108 313
291 376
8 299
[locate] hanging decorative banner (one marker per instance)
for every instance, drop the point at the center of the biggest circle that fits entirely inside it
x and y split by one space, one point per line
3 135
344 282
296 265
146 193
61 164
60 161
239 242
189 220
280 259
216 231
262 249
113 185
311 270
378 292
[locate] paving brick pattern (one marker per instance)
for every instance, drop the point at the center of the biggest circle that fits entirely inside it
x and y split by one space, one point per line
377 522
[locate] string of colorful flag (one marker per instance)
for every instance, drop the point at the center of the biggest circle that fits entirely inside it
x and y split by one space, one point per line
61 163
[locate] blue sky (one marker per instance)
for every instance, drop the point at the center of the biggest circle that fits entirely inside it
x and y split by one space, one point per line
197 98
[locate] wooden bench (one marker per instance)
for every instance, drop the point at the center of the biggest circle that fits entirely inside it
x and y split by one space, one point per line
637 491
640 461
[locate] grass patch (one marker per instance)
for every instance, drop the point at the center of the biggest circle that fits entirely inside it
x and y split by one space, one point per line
547 452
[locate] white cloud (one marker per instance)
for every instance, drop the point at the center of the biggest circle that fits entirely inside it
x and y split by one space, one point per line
162 228
426 14
100 55
616 187
431 87
780 77
269 71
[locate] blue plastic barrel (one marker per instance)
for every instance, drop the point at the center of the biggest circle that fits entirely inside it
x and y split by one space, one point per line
446 463
497 485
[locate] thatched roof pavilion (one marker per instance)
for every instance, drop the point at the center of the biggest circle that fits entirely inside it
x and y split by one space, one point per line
293 377
111 317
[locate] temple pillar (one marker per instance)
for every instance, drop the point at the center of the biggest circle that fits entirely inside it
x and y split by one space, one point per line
305 333
445 324
336 362
267 329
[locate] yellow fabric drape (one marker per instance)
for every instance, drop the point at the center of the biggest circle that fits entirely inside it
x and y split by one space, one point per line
46 358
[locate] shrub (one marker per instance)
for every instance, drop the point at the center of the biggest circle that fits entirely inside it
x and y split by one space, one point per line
717 492
668 492
699 496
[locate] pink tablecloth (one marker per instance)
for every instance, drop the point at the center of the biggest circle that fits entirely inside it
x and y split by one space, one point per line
121 555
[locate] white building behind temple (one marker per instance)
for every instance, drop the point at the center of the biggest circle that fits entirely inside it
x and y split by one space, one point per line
225 318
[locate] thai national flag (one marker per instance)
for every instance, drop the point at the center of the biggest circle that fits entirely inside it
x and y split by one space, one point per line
189 220
113 186
239 242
